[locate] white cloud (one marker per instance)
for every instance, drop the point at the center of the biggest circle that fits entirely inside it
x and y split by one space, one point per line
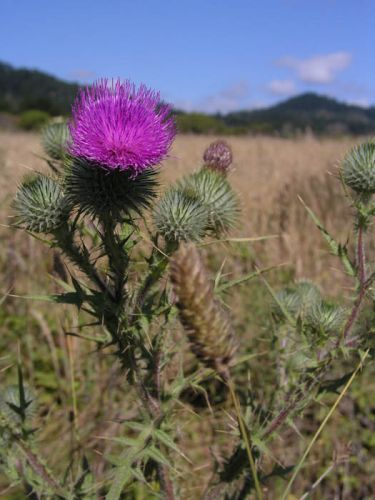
82 74
230 98
362 103
282 87
321 69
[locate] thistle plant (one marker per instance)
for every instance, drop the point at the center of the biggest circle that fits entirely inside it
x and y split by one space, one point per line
137 275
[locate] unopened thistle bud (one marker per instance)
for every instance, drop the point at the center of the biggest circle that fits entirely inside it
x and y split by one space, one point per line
218 156
180 217
216 194
208 327
297 300
55 137
358 168
40 205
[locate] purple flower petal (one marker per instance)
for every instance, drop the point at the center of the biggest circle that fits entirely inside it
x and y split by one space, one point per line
120 126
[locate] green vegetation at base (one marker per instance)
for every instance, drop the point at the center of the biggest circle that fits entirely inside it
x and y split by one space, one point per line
33 119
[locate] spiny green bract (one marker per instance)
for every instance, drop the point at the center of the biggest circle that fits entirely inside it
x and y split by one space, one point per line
180 216
326 318
358 168
16 407
108 194
40 205
214 192
297 300
54 140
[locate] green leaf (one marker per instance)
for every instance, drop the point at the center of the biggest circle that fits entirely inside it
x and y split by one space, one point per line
336 248
122 476
165 439
156 455
243 279
278 302
335 384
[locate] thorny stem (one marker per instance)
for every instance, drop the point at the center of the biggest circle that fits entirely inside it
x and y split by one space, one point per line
117 263
294 398
152 405
364 284
116 259
66 243
37 466
361 257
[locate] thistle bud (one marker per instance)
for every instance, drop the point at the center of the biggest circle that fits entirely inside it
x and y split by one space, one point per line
207 326
55 137
358 168
216 194
40 205
218 156
326 319
180 217
297 300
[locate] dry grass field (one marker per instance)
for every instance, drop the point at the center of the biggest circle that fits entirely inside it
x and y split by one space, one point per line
269 175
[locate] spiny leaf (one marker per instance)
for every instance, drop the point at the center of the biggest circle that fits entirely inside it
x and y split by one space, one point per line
336 248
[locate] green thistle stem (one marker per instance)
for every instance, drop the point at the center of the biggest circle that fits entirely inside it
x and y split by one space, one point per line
361 275
117 258
64 238
158 263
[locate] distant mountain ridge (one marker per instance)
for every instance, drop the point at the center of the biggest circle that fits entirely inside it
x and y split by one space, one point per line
24 89
318 113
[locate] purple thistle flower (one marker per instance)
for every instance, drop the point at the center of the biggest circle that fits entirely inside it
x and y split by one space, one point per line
117 125
218 156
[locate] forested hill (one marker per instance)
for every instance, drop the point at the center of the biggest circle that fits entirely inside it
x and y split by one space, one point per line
319 113
25 89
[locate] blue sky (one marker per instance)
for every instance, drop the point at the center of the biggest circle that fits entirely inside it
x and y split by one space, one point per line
202 55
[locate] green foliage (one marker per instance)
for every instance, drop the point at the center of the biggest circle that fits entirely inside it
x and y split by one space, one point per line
198 123
40 205
33 119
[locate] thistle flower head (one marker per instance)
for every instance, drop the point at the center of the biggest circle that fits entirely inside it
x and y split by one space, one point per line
119 126
218 156
358 168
